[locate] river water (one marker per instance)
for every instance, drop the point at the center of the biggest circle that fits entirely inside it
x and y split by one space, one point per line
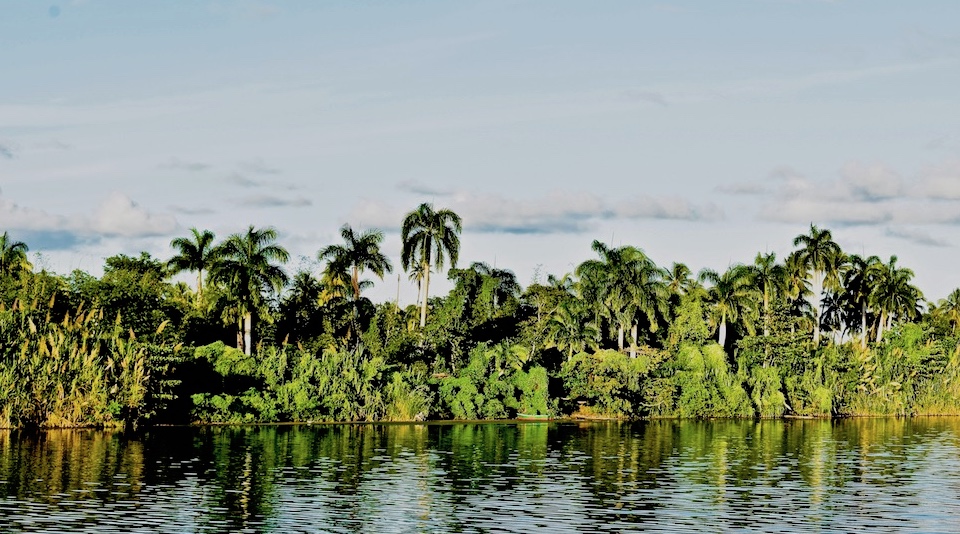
878 475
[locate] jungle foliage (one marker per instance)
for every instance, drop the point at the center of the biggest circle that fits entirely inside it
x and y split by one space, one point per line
822 334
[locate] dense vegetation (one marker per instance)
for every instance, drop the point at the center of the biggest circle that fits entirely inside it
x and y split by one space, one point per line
822 333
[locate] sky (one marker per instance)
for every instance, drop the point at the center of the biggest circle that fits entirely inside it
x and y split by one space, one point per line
702 132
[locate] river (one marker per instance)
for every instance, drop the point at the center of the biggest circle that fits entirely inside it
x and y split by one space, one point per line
890 475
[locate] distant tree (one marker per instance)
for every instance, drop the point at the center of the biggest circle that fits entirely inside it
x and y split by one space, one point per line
194 254
770 279
428 236
245 267
818 253
893 296
13 256
731 296
360 252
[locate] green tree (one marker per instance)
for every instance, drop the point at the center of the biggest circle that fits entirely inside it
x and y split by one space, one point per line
503 281
770 279
818 253
949 308
360 252
428 236
731 295
893 296
858 283
246 269
13 256
195 253
679 279
625 284
570 330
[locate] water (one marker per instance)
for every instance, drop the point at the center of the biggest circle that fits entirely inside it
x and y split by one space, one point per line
878 475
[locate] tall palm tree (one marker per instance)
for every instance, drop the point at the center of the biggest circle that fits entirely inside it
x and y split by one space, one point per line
893 296
770 279
625 284
196 254
732 296
818 254
361 252
246 268
949 308
13 256
857 285
428 235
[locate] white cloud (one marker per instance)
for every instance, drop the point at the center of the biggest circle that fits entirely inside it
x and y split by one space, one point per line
941 181
867 194
117 215
555 212
871 182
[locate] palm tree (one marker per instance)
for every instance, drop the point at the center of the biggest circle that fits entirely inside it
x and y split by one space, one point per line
360 252
949 308
197 254
770 279
732 296
13 256
818 254
893 295
679 279
857 285
427 237
624 283
569 330
245 267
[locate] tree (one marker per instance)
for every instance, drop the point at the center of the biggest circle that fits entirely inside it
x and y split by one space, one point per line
679 279
13 256
196 254
570 330
624 283
893 296
949 308
731 295
345 263
503 281
428 236
857 285
818 254
770 279
245 268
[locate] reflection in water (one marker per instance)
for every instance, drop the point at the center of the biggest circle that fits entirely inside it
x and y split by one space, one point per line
814 476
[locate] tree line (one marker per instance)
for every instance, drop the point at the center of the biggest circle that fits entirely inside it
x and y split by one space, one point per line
820 333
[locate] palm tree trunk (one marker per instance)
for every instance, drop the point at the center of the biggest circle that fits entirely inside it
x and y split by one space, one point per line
818 288
633 337
863 325
426 289
766 313
355 281
620 337
880 327
723 333
248 333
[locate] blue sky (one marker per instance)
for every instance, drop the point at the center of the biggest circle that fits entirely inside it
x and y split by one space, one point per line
702 132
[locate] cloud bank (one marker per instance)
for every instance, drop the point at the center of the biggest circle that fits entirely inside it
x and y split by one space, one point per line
555 212
861 194
116 216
